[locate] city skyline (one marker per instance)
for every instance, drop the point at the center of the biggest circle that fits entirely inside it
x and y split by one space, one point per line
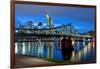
82 18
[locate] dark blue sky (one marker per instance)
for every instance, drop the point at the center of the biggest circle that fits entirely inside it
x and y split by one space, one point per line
81 18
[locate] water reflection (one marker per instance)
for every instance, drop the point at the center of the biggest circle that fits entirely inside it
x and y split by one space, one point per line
84 50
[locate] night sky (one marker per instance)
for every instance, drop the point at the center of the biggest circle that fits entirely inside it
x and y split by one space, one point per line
81 18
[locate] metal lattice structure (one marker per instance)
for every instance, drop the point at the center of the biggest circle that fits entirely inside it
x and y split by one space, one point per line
29 31
66 30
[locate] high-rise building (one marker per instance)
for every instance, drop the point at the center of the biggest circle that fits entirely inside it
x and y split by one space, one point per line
40 25
49 21
30 24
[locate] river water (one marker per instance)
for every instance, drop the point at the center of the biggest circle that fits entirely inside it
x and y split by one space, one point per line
83 50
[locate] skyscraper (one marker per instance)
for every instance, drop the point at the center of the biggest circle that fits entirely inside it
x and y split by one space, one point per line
49 21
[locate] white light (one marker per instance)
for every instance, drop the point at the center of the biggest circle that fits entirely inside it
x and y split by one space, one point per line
23 47
16 31
16 47
73 42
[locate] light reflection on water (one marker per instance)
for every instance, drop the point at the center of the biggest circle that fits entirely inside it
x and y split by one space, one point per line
83 51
